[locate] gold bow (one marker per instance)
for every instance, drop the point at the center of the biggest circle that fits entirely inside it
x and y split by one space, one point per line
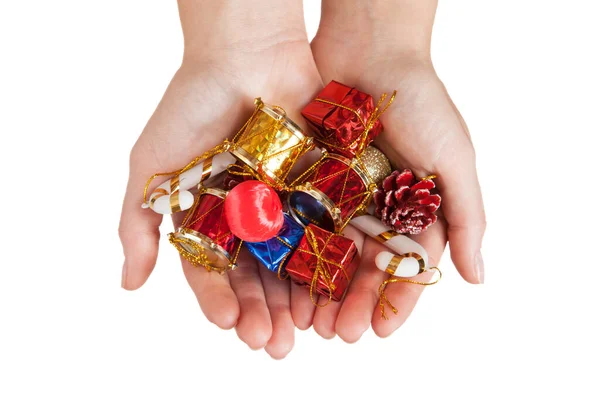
368 124
321 271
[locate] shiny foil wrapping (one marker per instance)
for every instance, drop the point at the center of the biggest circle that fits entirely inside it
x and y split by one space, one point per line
275 252
205 234
333 249
338 129
271 144
330 194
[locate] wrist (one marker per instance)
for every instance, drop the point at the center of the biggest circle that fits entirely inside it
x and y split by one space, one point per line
386 27
211 27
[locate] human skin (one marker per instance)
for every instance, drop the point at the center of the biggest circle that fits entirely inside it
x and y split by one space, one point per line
389 43
235 51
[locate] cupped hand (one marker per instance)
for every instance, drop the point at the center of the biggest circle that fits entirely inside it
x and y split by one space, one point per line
208 100
225 66
423 131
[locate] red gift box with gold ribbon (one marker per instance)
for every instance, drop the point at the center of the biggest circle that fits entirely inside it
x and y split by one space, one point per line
324 261
344 119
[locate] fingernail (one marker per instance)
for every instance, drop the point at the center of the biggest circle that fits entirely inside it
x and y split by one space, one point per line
479 269
124 275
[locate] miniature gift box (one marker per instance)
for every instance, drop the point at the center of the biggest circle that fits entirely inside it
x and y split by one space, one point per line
344 119
274 253
325 261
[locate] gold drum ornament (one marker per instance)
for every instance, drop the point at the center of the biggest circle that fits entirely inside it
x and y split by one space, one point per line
270 144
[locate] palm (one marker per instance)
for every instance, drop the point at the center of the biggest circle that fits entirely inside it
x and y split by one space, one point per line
204 104
424 132
208 101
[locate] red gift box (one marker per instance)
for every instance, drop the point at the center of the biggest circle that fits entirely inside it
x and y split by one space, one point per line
345 120
324 261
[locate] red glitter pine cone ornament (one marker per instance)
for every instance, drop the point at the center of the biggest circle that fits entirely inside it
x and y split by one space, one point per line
405 203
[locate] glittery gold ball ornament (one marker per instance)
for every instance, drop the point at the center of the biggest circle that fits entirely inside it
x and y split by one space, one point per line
376 163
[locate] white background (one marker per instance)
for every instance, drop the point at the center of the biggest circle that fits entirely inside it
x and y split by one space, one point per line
79 79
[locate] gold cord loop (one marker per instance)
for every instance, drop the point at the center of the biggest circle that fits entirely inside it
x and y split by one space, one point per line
321 271
383 299
429 177
368 124
207 155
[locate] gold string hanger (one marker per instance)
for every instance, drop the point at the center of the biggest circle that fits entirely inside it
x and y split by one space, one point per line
321 272
220 148
366 195
368 125
270 132
383 299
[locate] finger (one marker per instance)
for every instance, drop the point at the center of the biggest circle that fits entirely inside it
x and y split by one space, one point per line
462 206
277 293
357 310
303 309
138 228
215 296
254 324
326 315
404 296
217 299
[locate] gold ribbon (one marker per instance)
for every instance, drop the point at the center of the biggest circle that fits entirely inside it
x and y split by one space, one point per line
321 271
223 147
161 192
206 156
207 168
385 236
306 217
174 199
242 170
270 132
198 259
383 299
366 195
368 124
280 270
394 262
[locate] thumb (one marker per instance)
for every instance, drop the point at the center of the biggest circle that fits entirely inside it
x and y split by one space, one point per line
462 206
138 228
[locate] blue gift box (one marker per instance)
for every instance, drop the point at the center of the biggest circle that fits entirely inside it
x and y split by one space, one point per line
276 251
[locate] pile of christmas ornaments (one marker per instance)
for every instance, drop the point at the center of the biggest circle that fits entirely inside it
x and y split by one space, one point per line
240 194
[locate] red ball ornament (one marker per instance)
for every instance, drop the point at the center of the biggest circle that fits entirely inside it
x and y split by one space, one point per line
253 211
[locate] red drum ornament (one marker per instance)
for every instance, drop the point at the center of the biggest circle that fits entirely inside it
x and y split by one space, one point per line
253 211
204 238
337 188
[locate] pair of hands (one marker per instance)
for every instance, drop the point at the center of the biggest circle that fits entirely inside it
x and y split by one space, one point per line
233 55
